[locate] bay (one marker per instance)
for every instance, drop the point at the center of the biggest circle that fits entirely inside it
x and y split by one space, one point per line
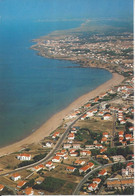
33 88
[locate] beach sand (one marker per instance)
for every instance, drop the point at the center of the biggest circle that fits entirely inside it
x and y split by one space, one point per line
56 119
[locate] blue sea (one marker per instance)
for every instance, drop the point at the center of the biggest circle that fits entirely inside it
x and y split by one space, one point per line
33 88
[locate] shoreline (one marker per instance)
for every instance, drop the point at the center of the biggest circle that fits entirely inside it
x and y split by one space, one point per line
47 128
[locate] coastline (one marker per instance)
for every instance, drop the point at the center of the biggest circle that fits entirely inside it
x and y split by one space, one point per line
57 118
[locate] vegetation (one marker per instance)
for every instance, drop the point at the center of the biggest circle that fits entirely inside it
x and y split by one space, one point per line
50 184
126 191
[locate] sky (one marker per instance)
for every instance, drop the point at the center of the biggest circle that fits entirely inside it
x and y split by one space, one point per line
22 10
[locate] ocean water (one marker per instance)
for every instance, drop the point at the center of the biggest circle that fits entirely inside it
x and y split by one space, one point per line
33 88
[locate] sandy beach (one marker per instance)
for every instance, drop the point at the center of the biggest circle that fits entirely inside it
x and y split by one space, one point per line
56 119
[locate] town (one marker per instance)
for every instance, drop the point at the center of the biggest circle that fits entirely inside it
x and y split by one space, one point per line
95 154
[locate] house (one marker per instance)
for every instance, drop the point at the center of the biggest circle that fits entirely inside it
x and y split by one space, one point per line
121 139
122 122
107 116
50 165
83 117
38 168
92 186
102 157
121 133
60 154
98 146
56 134
103 150
90 113
48 144
72 150
87 105
105 134
70 169
128 172
73 130
96 180
118 158
128 136
77 146
24 157
29 191
1 187
103 140
84 169
67 146
130 164
103 172
131 128
89 146
56 159
15 177
21 184
91 165
120 183
71 136
79 162
85 153
74 154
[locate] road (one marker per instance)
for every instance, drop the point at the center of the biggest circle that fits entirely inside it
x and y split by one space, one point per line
76 191
53 151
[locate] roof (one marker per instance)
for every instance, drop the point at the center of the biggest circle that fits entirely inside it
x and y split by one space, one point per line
39 166
28 190
21 183
49 163
93 185
120 181
56 157
70 168
105 133
104 139
91 164
85 168
1 186
25 155
97 180
15 175
102 172
121 132
71 135
130 163
79 161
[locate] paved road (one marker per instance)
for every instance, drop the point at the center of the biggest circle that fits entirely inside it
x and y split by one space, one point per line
76 191
53 151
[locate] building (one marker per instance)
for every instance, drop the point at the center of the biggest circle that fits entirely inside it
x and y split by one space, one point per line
15 177
70 169
29 191
67 146
92 186
120 183
56 134
21 184
71 136
79 162
1 187
103 172
24 157
77 146
56 159
38 168
96 180
107 116
85 153
118 158
84 169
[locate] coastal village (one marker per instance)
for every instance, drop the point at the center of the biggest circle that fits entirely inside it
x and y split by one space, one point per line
92 151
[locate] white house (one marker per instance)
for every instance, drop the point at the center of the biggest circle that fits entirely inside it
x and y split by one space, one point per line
24 157
15 177
92 186
56 159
